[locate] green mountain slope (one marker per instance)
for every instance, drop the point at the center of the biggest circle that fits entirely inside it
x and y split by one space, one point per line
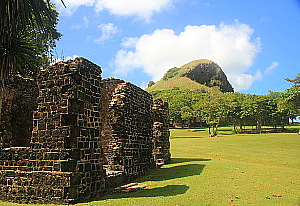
199 74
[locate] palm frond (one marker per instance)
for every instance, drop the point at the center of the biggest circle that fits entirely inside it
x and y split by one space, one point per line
18 14
26 28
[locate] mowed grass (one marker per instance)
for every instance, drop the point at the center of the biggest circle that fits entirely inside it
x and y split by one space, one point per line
232 169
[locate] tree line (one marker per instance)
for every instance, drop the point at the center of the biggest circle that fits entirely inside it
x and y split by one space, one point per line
214 108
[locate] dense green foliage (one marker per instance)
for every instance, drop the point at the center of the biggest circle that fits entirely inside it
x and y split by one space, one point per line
214 108
150 83
291 98
171 73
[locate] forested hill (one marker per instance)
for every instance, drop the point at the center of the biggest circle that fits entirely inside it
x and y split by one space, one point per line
199 74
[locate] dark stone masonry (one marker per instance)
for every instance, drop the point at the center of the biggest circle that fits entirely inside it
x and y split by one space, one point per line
161 133
16 119
72 136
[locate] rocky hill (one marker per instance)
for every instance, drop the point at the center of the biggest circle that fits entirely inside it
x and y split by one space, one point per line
199 74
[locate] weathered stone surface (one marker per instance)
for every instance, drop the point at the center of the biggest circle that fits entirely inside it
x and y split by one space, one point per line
161 133
129 144
17 109
64 160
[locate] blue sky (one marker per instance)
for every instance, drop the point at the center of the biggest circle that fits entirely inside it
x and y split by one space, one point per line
255 42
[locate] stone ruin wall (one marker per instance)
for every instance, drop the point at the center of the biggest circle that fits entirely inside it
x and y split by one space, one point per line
128 146
68 125
63 162
161 133
88 135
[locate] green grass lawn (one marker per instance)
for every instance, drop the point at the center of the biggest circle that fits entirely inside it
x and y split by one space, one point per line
237 169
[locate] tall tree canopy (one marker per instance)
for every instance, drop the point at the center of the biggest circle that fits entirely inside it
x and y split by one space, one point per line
292 95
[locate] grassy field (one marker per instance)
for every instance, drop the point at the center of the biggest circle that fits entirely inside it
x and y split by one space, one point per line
243 169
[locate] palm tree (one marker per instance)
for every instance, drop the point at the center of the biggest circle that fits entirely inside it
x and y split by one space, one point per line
26 26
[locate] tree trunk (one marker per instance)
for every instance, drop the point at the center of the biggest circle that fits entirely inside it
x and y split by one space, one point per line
241 125
258 126
282 125
234 128
216 130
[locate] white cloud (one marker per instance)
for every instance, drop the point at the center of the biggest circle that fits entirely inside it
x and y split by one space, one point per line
230 46
129 42
58 59
141 9
271 68
82 25
108 31
72 5
206 5
244 81
71 57
247 80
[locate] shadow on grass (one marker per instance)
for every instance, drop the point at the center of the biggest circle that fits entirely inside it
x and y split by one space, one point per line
195 128
187 137
282 131
174 172
198 130
225 134
169 190
181 160
266 130
225 129
166 191
162 174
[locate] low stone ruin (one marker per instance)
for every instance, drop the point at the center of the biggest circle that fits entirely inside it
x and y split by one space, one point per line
80 137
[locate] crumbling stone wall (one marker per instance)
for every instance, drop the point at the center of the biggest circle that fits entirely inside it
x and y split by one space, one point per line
88 135
128 138
115 174
161 133
18 106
